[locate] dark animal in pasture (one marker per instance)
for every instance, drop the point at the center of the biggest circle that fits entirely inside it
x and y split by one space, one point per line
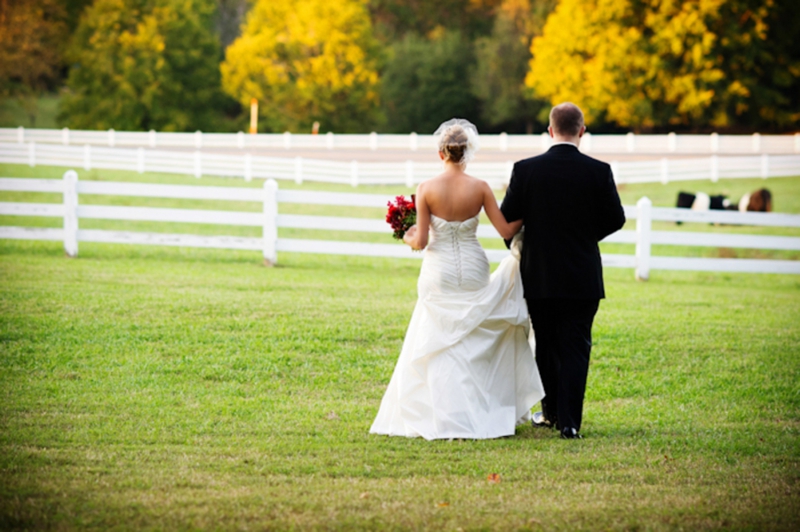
757 201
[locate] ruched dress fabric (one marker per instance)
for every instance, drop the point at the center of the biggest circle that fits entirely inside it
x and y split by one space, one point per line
466 369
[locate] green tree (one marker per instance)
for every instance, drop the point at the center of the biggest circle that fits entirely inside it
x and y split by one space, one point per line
427 81
307 61
74 9
501 64
720 63
144 64
395 18
32 36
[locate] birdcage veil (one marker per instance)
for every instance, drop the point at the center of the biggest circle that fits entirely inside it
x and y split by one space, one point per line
457 139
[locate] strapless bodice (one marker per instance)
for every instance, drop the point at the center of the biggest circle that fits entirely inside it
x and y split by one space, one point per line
454 259
466 228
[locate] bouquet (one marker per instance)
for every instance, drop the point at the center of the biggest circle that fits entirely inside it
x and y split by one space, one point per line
402 214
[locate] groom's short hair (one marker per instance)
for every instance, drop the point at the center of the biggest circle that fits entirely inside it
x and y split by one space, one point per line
566 119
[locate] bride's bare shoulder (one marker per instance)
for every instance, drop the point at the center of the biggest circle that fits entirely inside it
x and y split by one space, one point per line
478 185
436 182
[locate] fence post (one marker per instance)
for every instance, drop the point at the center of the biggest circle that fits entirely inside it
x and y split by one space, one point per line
298 170
21 137
240 140
672 142
151 137
764 166
71 213
140 160
65 136
756 142
503 141
287 140
373 141
354 173
412 141
111 139
87 157
714 168
630 141
797 142
329 140
198 164
248 166
270 235
714 139
665 170
32 154
198 139
544 139
587 142
410 173
643 225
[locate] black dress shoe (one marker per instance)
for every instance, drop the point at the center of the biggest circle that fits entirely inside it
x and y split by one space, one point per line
539 420
569 433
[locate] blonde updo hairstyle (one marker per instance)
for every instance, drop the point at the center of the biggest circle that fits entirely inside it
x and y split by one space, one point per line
457 141
453 144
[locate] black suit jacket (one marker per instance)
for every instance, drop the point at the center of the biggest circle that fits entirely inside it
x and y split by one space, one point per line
568 202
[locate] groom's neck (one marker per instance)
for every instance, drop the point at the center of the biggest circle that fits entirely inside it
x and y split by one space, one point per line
572 140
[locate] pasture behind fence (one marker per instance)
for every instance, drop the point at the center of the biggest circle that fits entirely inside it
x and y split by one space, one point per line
355 173
270 220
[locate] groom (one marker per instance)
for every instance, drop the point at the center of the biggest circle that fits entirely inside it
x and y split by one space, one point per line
568 202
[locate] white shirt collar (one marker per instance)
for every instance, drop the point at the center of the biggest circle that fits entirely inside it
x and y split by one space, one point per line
563 142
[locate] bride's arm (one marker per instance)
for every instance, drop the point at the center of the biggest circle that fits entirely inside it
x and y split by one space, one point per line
506 229
417 235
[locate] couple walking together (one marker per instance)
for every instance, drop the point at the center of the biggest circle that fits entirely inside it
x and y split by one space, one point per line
467 367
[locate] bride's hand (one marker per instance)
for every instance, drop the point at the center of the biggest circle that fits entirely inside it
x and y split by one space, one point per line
410 236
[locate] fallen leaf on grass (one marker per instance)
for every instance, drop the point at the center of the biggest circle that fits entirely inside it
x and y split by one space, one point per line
494 478
363 495
332 416
443 504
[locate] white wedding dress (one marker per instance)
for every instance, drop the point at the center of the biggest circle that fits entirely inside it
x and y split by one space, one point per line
466 369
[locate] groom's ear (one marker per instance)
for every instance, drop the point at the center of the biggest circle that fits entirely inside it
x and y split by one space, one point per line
583 130
550 130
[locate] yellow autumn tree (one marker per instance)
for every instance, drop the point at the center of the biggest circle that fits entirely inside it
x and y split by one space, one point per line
653 63
306 61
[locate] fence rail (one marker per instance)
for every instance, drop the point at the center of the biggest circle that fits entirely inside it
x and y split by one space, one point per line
269 219
628 143
356 173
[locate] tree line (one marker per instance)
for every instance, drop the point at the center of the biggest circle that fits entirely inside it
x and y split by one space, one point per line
405 65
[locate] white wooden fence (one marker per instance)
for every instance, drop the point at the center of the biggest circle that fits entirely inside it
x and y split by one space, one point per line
269 219
356 173
628 143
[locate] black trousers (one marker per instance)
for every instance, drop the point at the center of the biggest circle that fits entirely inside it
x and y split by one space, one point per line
563 330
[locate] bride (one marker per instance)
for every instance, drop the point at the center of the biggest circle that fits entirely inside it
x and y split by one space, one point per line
466 369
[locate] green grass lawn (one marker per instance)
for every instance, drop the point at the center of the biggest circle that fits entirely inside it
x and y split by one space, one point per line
164 388
151 388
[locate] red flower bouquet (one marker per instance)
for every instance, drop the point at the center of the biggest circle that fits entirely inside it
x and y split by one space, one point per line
402 214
